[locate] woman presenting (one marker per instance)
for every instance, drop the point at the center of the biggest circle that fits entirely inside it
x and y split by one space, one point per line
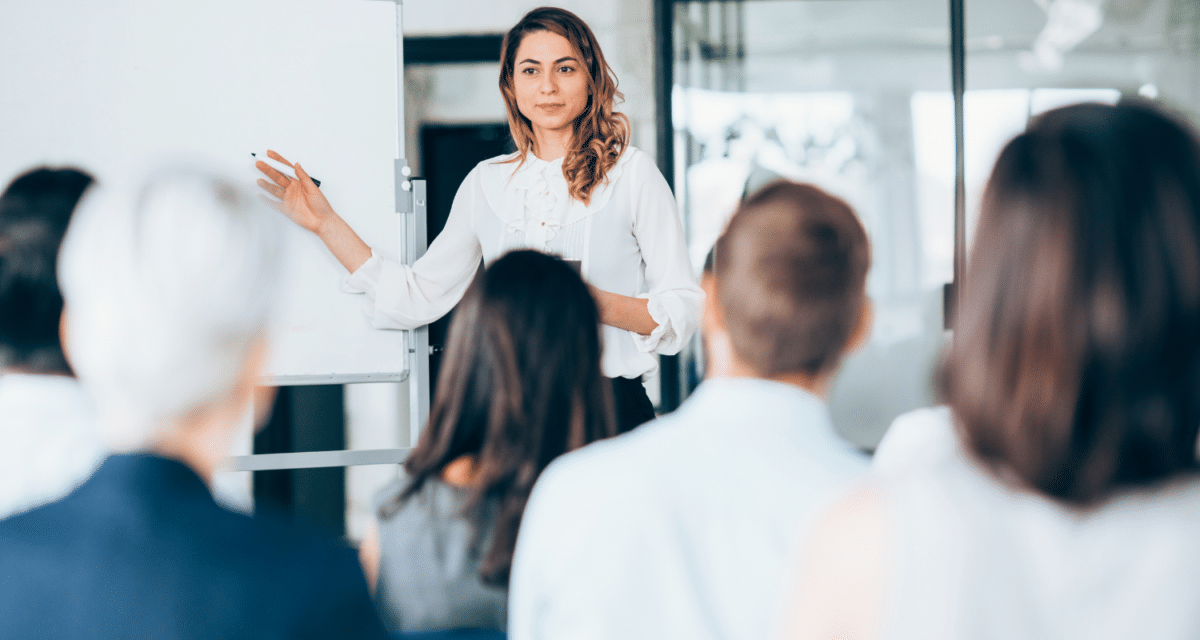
574 188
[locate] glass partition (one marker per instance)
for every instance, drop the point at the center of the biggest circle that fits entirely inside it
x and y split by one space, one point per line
1028 56
856 97
851 96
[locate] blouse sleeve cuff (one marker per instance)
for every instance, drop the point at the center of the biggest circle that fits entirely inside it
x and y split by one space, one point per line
365 279
663 339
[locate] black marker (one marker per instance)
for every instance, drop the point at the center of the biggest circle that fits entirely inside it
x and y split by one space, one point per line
315 181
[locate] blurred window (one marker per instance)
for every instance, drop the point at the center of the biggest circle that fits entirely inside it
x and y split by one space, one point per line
855 96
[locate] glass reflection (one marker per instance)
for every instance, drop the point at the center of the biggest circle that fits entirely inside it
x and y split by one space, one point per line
855 97
847 96
1025 57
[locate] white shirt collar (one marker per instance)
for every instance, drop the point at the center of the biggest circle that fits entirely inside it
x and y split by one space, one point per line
532 196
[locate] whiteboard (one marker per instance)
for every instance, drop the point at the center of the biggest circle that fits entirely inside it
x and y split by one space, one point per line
118 87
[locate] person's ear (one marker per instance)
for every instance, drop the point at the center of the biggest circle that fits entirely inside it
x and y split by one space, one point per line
718 350
262 397
712 321
62 335
264 402
862 331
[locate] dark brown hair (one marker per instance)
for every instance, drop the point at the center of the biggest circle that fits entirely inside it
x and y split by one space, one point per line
791 271
601 134
1075 365
34 212
520 386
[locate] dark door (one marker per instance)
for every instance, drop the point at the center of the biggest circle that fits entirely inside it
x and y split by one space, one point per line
448 153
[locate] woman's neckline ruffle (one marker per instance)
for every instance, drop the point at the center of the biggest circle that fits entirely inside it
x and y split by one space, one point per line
529 196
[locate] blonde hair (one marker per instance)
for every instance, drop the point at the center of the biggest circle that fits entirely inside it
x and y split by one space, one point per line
168 288
601 134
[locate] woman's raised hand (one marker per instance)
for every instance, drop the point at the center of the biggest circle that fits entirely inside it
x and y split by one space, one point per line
301 200
298 198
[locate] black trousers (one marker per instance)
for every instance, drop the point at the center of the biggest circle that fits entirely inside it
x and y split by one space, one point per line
633 406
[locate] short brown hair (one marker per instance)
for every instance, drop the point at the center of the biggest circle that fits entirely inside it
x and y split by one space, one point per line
791 271
1075 366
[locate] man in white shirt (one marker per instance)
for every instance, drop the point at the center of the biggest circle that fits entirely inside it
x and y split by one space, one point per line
684 527
48 437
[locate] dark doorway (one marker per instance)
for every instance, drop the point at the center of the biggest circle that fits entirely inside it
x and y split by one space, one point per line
309 418
448 153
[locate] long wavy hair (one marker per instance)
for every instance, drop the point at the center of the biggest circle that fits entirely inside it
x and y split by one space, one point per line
520 386
601 134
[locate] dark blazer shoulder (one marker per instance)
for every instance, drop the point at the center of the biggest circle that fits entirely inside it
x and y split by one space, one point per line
139 559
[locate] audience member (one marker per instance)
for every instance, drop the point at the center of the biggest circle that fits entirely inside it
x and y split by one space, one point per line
683 528
1057 497
46 421
521 385
168 297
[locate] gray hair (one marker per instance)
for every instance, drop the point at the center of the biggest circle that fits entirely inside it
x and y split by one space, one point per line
166 294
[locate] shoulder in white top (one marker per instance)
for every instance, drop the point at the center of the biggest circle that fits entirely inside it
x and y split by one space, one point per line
629 239
682 528
51 440
976 558
916 440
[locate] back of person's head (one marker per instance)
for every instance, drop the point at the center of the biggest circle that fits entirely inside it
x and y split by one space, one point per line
167 294
1076 357
791 271
34 212
520 385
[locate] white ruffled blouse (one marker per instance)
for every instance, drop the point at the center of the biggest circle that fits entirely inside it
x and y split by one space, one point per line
629 240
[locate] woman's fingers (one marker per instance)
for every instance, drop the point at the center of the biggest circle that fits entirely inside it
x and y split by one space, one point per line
273 173
275 156
298 198
302 175
274 204
270 188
